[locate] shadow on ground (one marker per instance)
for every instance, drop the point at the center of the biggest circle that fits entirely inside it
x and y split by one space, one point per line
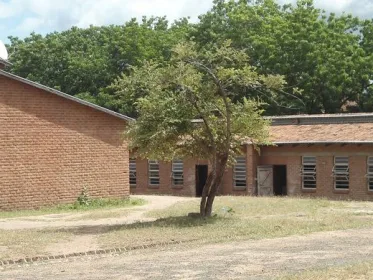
178 222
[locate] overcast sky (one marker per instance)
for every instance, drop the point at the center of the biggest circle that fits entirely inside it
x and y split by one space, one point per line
20 17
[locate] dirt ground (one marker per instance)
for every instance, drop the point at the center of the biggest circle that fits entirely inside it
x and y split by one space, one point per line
88 242
263 259
66 220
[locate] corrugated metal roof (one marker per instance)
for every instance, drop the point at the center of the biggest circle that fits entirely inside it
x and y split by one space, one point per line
322 119
358 133
65 95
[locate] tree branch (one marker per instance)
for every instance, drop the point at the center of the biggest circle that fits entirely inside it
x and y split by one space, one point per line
221 92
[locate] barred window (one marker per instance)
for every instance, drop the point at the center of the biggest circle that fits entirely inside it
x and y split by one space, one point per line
239 173
370 173
341 173
133 172
153 172
177 172
308 172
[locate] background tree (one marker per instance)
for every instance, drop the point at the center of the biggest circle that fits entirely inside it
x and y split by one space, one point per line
321 55
83 62
186 109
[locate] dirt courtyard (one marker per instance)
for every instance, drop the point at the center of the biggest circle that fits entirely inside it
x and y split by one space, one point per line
246 259
263 259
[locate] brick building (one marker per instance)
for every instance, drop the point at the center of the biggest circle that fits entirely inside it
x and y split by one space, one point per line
314 155
52 145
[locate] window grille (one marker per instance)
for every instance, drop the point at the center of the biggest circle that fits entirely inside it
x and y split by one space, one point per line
341 173
369 174
153 172
177 172
133 172
239 173
308 172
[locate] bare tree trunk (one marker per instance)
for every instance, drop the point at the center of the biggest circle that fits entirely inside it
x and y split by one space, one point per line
212 186
205 192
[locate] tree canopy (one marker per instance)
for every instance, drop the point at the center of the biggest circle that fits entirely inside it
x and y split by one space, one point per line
186 108
326 59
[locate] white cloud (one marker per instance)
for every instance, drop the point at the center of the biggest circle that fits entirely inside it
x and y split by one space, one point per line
361 8
50 15
30 24
59 15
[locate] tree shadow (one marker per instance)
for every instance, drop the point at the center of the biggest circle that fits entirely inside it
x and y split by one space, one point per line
176 222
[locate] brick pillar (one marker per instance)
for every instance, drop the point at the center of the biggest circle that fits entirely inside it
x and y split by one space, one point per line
358 181
252 158
324 178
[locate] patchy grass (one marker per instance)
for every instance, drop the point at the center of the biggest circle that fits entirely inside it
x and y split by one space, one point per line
95 204
361 271
241 218
237 218
28 243
103 214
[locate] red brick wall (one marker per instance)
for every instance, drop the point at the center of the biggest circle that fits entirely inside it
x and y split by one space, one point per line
189 187
292 157
51 147
165 184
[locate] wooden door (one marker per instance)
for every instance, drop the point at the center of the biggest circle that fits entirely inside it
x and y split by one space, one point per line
265 180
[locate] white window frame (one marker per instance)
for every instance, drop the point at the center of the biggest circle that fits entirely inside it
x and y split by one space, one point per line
341 172
153 172
132 174
308 171
369 174
177 172
239 173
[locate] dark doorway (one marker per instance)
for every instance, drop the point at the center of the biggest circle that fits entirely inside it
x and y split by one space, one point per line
201 177
279 180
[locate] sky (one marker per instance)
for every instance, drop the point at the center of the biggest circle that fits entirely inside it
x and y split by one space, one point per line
21 17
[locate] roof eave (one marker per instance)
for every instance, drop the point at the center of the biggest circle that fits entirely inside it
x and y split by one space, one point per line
65 95
320 142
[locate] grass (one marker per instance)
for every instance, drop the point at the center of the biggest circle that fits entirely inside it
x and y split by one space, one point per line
95 204
356 271
237 218
103 214
242 218
28 243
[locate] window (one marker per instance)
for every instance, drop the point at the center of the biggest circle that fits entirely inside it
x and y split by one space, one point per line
341 173
308 172
133 172
239 173
153 172
370 173
177 173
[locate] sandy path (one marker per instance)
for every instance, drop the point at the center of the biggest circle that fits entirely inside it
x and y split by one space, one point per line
87 242
263 259
67 220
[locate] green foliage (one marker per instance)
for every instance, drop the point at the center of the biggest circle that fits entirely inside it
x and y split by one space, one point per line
84 198
86 61
186 106
326 59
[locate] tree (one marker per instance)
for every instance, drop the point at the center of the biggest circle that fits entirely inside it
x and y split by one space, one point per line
84 61
323 55
186 108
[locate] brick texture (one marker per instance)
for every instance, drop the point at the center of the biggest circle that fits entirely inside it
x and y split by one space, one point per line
51 147
189 186
289 155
